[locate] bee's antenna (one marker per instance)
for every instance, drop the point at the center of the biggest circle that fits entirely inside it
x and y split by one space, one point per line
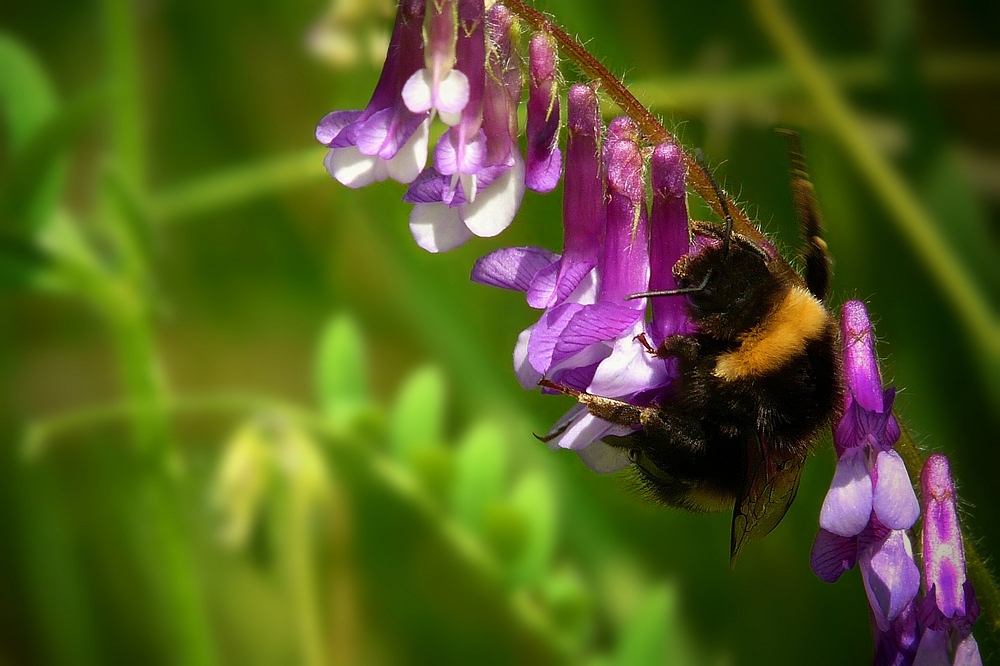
723 203
672 292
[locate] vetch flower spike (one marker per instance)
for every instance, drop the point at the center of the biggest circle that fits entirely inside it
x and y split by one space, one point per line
386 139
547 278
949 610
871 502
477 183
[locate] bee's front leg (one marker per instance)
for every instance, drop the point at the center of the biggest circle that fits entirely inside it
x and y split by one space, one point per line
611 410
683 347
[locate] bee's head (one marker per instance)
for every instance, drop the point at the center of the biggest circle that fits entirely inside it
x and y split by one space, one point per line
730 286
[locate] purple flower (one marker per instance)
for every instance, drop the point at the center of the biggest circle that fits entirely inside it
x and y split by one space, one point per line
586 336
386 139
871 502
544 161
439 86
949 610
477 182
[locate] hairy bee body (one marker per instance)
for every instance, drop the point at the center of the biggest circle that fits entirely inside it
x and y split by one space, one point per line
756 383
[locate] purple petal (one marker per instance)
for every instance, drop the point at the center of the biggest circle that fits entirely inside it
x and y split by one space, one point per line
543 170
894 501
944 556
600 322
385 132
832 555
431 187
933 649
544 160
513 267
625 264
848 504
455 154
333 123
891 577
860 364
967 653
583 192
545 334
556 282
668 240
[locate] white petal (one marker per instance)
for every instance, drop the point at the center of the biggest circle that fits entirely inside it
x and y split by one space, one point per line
585 430
604 459
350 167
629 368
450 119
848 504
894 501
437 228
417 91
527 376
585 292
495 207
407 164
452 94
469 186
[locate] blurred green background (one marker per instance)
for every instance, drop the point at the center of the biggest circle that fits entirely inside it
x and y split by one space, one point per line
247 421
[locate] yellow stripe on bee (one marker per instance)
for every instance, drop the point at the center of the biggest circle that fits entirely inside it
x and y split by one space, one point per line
782 336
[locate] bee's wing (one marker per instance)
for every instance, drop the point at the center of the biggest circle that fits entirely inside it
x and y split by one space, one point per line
772 479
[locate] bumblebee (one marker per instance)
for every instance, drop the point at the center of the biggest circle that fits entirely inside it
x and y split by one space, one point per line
757 381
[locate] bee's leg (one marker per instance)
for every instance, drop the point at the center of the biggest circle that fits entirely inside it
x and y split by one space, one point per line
683 347
614 411
816 256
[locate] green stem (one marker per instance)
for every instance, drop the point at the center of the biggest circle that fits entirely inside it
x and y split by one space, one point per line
388 475
239 184
906 212
123 62
159 502
294 509
766 85
648 124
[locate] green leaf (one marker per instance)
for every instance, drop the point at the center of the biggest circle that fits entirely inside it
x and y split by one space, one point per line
33 183
652 634
27 96
418 418
341 375
534 497
481 471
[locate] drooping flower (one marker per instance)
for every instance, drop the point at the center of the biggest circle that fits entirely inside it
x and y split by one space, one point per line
544 161
949 610
477 182
386 139
440 86
586 338
871 502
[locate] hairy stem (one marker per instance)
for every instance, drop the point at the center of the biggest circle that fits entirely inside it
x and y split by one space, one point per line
649 125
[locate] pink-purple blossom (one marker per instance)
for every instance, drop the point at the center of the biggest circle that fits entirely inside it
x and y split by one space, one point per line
386 139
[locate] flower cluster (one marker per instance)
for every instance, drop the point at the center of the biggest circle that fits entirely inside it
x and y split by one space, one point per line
868 510
453 60
587 335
